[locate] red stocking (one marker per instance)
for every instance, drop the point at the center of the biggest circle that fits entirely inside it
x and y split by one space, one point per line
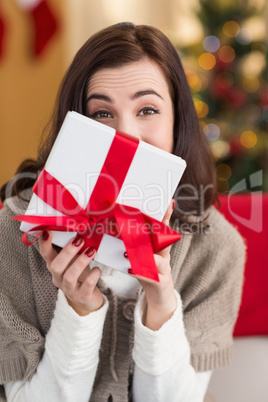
45 24
2 33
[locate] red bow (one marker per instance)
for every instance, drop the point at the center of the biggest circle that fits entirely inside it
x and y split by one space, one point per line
141 234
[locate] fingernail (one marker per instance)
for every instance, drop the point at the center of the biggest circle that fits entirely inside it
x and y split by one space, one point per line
45 235
125 254
90 251
173 204
77 241
129 271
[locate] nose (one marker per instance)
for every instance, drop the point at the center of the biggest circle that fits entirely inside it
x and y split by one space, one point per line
127 125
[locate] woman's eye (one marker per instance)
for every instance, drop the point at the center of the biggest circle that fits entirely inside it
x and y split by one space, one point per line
101 114
147 111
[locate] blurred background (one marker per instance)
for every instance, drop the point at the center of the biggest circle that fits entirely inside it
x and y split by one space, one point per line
223 46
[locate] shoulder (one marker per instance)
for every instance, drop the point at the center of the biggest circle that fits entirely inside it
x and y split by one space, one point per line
218 239
17 261
216 248
222 232
14 255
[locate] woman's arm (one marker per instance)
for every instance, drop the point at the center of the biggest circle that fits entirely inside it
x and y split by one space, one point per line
162 362
159 296
67 370
161 350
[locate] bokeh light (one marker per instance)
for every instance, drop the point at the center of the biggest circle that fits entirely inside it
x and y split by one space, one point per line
202 108
244 36
220 149
224 172
211 43
226 54
248 139
251 84
256 25
212 131
231 29
195 83
207 61
253 63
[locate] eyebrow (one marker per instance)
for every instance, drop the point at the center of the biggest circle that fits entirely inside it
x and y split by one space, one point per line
144 93
137 95
100 97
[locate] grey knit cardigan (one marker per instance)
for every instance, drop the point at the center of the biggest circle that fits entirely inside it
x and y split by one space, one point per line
207 270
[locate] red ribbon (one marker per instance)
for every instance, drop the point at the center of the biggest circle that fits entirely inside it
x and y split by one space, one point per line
141 234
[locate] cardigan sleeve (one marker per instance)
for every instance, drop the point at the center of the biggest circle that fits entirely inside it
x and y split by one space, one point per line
21 343
209 280
70 360
22 296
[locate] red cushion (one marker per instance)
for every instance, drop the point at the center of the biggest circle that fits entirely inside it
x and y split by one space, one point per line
249 213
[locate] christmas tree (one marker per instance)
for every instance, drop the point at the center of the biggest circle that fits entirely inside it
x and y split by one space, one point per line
229 82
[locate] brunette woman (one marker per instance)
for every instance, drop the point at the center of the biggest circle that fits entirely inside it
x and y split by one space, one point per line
71 333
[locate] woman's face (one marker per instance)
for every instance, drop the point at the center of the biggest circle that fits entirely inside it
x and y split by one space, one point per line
134 99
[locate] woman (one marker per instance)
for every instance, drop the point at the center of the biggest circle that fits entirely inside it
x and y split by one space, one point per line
69 332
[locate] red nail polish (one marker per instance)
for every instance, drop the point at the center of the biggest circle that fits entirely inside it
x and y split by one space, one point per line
77 241
130 271
45 235
90 251
173 204
125 254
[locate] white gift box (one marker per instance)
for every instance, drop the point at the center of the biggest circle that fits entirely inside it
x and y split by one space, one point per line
76 160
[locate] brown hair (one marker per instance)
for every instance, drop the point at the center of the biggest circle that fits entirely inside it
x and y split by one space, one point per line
115 46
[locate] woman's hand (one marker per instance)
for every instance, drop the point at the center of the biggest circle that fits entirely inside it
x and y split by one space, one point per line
160 296
72 274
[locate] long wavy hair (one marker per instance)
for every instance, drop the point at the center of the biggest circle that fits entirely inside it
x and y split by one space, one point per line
113 47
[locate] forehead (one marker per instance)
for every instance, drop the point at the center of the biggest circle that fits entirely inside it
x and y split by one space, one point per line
144 73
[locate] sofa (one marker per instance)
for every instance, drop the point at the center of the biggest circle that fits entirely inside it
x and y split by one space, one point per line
246 379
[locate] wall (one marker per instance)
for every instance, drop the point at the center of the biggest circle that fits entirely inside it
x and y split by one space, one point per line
28 85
